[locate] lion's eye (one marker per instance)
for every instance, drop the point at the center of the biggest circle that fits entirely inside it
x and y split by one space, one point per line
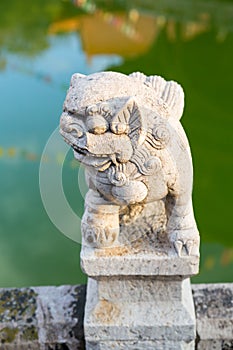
99 129
118 128
97 125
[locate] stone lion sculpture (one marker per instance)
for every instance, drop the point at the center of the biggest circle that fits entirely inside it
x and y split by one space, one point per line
126 131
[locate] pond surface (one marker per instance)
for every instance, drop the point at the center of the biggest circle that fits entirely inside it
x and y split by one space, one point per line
42 43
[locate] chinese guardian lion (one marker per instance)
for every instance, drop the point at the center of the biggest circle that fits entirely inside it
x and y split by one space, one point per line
126 132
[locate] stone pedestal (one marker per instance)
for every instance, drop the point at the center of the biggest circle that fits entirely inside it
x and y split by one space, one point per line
138 300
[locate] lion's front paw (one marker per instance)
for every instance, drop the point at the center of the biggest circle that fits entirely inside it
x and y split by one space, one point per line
185 242
98 236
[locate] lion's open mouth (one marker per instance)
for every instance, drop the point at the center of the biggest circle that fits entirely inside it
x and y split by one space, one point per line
80 150
83 155
101 163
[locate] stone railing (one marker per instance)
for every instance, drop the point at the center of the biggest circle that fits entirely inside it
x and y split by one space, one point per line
51 318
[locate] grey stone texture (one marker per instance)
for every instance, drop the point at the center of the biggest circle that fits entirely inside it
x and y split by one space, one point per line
42 318
126 131
138 345
23 325
120 261
139 235
214 312
126 310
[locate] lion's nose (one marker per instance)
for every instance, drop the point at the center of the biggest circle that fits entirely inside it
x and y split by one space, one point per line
110 144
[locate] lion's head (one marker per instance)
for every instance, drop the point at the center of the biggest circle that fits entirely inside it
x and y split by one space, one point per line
105 116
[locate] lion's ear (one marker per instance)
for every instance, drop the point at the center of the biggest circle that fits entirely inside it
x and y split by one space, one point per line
70 103
129 120
169 93
75 77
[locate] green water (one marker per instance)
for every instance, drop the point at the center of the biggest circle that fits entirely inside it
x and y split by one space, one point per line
42 44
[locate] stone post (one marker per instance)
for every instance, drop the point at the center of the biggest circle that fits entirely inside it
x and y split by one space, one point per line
145 303
140 240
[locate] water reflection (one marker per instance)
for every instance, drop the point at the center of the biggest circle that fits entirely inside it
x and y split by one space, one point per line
132 31
182 40
104 24
105 33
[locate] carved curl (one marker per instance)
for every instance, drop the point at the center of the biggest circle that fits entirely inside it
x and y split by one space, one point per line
116 175
161 136
147 165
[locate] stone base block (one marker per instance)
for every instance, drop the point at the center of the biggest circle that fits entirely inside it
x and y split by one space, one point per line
118 261
152 312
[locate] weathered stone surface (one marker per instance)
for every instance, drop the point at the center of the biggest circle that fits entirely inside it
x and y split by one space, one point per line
215 345
214 312
45 318
18 317
18 323
138 229
145 309
138 345
125 130
120 261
